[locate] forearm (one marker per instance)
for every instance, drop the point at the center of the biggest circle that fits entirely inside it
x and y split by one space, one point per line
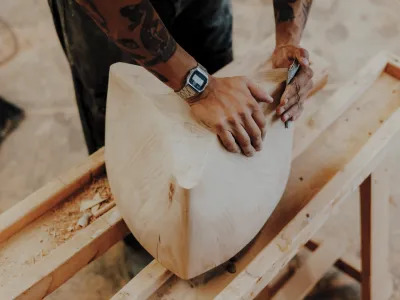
290 20
135 27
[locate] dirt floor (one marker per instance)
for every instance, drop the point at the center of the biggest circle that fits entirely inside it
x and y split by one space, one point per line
37 78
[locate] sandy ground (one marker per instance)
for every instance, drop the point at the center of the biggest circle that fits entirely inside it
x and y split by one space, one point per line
50 140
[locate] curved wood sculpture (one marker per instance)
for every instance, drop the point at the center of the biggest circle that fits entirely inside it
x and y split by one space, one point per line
189 202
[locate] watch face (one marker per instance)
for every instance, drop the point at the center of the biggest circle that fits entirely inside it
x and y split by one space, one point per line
198 81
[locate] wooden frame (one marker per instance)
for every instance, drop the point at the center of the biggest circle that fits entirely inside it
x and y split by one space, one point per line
272 248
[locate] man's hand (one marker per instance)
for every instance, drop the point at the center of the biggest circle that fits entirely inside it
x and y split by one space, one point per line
292 100
229 107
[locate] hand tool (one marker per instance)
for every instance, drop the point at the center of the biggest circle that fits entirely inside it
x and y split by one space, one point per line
293 69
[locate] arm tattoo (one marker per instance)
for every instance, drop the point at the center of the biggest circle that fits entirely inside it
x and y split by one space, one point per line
153 34
290 19
138 30
288 10
283 10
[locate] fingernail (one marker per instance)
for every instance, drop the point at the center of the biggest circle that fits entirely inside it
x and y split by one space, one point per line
305 61
270 99
285 117
249 154
281 110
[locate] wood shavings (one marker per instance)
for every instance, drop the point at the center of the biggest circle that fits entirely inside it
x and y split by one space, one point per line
66 215
89 203
94 209
104 209
84 220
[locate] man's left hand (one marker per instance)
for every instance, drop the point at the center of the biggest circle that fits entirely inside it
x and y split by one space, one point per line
295 94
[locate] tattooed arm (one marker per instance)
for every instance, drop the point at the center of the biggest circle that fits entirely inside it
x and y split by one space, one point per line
135 27
290 20
228 106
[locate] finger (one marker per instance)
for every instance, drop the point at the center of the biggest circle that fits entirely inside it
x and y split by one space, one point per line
259 118
253 131
302 56
299 97
301 80
259 94
287 103
228 141
243 139
293 112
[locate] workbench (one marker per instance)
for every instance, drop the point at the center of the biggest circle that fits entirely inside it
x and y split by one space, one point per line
338 147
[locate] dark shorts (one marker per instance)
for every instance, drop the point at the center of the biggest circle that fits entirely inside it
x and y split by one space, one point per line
202 27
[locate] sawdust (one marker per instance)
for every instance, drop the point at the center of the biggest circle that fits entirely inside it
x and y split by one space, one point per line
67 214
61 221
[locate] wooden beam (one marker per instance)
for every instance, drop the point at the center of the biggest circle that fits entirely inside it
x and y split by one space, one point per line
308 275
63 262
151 278
376 280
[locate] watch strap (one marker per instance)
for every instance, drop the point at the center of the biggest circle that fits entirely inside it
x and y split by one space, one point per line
187 92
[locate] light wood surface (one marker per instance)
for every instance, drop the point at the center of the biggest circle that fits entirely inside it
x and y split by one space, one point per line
177 188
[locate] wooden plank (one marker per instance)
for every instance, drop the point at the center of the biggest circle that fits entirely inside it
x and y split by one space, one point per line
343 98
63 262
51 194
374 202
152 277
308 275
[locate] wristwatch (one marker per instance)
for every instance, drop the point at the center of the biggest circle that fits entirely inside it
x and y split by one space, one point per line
196 82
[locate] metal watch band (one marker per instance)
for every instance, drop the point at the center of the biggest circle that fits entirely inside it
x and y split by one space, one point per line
187 92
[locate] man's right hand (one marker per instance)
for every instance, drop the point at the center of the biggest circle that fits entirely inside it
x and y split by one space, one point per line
229 107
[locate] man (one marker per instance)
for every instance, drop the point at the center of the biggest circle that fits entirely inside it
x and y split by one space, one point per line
181 42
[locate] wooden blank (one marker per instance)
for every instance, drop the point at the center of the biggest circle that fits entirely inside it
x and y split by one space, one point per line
188 201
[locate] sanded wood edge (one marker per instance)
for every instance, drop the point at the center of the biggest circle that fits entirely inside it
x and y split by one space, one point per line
308 275
341 100
67 259
57 190
148 281
267 263
347 263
